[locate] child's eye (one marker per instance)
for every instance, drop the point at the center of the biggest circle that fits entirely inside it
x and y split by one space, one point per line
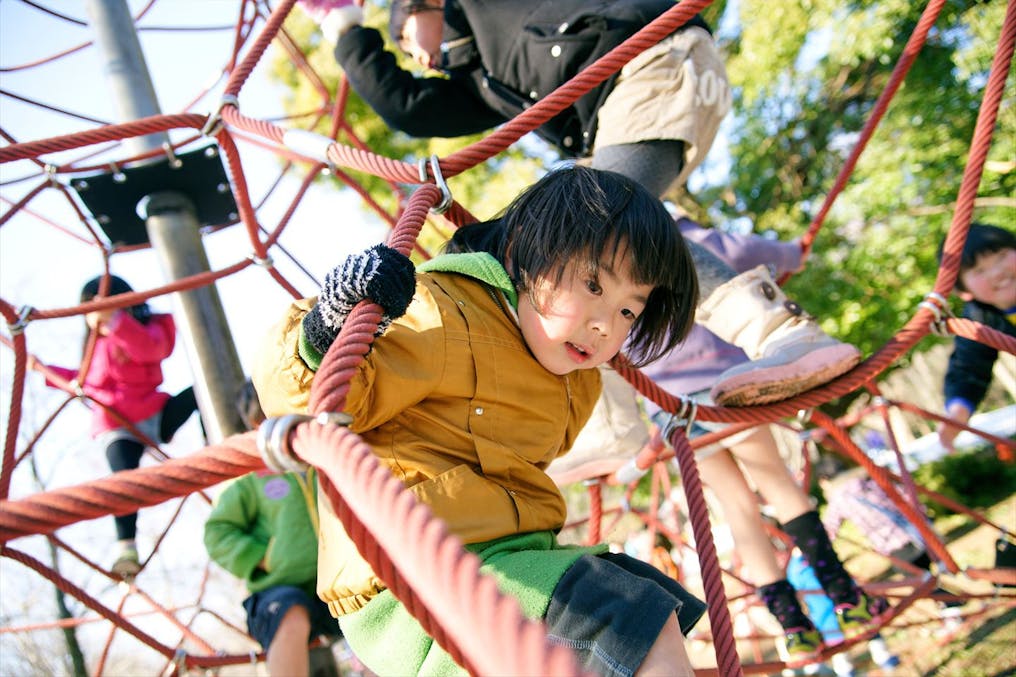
594 287
629 315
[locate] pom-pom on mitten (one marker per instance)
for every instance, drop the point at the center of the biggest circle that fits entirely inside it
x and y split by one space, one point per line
380 273
335 17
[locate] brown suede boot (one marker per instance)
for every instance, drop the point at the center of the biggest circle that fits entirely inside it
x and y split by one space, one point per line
789 351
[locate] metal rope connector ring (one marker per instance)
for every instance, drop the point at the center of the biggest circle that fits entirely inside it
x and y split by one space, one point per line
273 438
939 307
435 169
51 175
18 327
334 418
273 443
178 664
684 418
266 262
214 122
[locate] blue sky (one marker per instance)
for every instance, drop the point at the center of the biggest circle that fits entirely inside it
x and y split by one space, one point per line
181 65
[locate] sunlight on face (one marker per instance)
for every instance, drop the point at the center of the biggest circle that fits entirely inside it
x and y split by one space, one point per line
584 321
992 280
421 37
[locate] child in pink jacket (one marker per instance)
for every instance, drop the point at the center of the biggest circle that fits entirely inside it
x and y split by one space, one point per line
123 380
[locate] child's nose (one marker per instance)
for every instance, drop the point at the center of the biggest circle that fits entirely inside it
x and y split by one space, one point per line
599 325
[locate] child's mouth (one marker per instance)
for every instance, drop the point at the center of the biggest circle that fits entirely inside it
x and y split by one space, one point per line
577 353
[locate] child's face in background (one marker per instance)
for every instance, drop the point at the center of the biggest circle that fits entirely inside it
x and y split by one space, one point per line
421 36
584 321
992 280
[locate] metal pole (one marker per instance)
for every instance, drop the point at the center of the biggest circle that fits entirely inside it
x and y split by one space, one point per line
126 71
173 229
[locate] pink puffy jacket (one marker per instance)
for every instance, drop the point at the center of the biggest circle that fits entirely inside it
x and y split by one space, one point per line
126 369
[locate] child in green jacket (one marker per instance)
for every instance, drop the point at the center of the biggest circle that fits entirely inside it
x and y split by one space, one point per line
263 529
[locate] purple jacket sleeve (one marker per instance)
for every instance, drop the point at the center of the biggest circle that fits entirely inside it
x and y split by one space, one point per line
744 252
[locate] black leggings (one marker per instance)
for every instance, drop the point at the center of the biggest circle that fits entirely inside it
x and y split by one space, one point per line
125 454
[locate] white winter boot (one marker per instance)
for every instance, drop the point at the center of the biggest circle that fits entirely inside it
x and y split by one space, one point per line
789 352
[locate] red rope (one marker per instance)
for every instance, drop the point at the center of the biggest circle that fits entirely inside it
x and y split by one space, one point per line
425 590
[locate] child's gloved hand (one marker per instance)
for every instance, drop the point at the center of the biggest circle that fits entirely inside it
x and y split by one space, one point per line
334 16
380 273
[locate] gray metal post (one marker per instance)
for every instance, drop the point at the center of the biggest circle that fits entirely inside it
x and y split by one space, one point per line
126 71
173 229
175 235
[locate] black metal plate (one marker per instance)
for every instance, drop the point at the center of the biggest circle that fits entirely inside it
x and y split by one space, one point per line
112 197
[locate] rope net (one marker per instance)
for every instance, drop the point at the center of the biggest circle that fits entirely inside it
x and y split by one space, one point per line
438 582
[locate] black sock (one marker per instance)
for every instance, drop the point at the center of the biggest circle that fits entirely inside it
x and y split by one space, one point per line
810 536
781 600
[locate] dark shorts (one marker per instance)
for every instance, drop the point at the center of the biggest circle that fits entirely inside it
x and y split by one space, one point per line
265 610
610 608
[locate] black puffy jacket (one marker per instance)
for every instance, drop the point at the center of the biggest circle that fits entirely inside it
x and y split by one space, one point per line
506 56
971 363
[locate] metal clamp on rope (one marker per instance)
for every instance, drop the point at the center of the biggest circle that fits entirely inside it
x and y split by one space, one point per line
684 418
804 418
76 387
435 168
939 307
18 327
310 144
266 262
178 665
273 438
214 121
51 175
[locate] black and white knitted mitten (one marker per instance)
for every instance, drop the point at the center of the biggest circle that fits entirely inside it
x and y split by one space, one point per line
380 273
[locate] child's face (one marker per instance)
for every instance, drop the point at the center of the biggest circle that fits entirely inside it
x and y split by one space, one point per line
421 36
992 280
584 321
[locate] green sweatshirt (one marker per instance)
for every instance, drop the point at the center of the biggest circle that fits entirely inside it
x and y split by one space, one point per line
269 517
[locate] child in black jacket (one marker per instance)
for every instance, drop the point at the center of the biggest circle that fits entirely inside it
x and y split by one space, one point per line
987 285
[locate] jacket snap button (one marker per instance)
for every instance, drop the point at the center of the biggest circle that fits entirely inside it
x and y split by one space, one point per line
567 141
768 291
555 51
479 411
533 95
563 28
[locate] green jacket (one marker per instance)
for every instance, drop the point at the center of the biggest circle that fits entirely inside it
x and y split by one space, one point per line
269 516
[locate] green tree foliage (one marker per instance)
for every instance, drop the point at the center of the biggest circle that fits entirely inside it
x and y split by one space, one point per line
975 479
483 190
805 75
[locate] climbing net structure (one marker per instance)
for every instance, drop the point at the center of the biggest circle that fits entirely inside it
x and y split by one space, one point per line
436 579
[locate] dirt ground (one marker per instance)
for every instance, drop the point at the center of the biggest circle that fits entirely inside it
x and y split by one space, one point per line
982 643
985 644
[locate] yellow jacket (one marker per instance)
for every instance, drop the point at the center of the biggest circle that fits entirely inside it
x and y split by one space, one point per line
455 405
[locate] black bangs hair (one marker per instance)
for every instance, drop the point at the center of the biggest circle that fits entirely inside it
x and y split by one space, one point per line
590 215
401 10
982 239
117 285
